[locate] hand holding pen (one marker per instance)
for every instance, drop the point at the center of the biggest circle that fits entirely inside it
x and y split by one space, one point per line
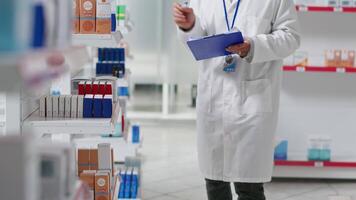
184 16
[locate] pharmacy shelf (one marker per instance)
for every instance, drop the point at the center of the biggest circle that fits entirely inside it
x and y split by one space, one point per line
41 126
319 69
297 167
97 40
122 148
295 163
301 8
306 169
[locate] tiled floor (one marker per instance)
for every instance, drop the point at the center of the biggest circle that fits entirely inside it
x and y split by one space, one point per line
170 170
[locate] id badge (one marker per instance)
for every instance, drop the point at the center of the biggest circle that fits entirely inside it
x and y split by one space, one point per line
230 64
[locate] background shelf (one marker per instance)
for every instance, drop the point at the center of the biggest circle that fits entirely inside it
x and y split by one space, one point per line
319 69
325 9
315 164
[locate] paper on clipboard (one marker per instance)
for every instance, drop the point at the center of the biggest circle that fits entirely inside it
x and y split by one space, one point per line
214 46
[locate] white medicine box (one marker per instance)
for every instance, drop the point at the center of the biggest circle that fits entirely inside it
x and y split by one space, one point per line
334 3
347 3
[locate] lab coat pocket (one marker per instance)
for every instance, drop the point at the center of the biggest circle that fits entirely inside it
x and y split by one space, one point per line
256 96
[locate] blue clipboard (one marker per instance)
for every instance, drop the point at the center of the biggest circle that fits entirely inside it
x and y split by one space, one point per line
214 46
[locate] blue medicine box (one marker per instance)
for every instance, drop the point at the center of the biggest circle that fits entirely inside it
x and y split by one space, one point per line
107 106
135 134
134 184
128 184
314 154
88 106
281 151
123 91
98 106
122 185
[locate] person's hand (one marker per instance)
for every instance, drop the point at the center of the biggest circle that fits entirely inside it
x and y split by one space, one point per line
241 49
184 17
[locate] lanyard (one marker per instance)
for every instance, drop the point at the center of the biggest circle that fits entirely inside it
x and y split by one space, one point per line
227 16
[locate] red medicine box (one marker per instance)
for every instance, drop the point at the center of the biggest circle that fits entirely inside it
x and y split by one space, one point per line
95 87
88 87
81 88
108 88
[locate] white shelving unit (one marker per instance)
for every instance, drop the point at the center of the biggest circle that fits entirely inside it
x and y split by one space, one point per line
318 100
97 40
87 126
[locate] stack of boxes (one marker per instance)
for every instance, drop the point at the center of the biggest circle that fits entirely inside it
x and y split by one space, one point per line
111 61
319 148
76 106
98 98
65 106
92 16
340 58
129 183
95 167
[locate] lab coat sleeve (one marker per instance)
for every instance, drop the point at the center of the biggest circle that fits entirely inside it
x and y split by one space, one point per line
284 38
198 29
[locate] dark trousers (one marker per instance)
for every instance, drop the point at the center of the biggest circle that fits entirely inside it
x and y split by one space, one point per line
219 190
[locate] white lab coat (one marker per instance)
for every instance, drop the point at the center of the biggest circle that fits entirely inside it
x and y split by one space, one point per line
237 112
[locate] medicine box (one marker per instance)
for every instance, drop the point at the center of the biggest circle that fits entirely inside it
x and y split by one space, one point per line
102 186
88 87
135 134
122 183
88 177
87 160
104 156
74 106
108 88
80 106
103 17
98 106
49 106
87 16
334 3
95 87
102 85
88 106
134 183
128 181
42 106
61 108
346 3
76 11
81 88
107 106
67 106
55 106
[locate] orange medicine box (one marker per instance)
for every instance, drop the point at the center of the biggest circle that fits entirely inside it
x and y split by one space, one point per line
102 186
83 160
87 16
88 177
87 160
76 11
103 17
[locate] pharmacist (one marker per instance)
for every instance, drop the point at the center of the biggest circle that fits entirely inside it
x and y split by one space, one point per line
238 108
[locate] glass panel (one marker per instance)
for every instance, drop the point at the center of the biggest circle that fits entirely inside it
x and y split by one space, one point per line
159 57
144 40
